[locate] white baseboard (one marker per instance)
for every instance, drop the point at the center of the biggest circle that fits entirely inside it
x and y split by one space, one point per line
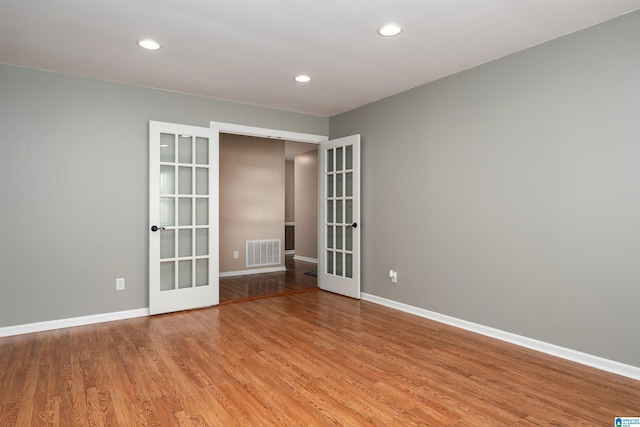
530 343
255 271
290 252
304 258
74 321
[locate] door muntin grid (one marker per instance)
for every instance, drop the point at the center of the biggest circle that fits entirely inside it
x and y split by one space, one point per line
339 211
184 211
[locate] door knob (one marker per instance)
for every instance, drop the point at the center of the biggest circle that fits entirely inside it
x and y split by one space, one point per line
155 228
354 225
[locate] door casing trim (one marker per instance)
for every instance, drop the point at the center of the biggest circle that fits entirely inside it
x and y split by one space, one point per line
267 133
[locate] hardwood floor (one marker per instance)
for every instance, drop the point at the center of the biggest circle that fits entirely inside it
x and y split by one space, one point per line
246 288
311 359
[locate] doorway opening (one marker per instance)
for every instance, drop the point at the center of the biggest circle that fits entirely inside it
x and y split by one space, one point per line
254 206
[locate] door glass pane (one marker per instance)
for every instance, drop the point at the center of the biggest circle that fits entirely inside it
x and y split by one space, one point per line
184 274
184 180
348 238
185 213
167 276
348 185
348 265
202 211
339 159
167 180
330 160
329 211
185 243
202 151
202 272
202 241
339 211
349 157
339 231
167 148
339 178
339 269
202 181
167 211
330 262
330 237
184 149
329 185
167 244
348 211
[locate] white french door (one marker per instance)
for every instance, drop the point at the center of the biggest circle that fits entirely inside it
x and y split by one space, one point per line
183 217
339 268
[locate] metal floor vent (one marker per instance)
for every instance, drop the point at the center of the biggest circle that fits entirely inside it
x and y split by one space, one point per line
263 252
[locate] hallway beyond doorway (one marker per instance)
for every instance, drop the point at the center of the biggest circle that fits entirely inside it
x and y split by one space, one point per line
256 286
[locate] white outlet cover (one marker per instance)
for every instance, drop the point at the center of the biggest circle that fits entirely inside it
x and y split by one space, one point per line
120 284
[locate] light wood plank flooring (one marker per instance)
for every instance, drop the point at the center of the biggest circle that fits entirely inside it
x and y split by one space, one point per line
308 359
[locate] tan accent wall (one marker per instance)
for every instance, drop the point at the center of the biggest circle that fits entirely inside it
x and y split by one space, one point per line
289 204
252 190
306 204
289 191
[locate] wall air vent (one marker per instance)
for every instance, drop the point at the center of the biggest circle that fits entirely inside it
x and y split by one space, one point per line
263 252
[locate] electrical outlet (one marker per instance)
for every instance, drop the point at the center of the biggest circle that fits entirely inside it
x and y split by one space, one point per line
120 284
393 275
236 254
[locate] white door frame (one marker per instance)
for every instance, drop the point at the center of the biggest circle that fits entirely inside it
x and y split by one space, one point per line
267 133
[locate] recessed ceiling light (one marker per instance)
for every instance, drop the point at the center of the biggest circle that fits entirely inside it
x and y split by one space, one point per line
149 44
390 30
302 78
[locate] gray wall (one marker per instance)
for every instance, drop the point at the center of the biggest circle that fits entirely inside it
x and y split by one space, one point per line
74 187
509 195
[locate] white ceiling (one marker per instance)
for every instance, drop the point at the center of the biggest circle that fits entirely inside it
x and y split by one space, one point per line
250 50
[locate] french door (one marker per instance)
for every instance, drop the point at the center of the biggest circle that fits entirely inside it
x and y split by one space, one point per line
339 268
183 217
